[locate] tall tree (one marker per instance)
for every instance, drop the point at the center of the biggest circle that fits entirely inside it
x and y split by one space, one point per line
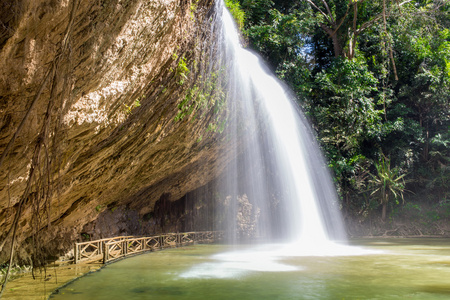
373 76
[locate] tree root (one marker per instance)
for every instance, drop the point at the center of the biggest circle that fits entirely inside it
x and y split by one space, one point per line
41 141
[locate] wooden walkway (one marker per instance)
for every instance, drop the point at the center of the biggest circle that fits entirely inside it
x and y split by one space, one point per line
114 248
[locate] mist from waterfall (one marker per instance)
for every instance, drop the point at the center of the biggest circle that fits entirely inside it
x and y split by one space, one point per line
278 190
279 181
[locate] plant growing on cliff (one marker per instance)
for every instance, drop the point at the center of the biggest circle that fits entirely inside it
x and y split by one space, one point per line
236 11
187 105
129 108
182 70
206 96
193 8
86 236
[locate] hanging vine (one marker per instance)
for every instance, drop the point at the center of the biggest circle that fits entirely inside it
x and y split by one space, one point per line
38 191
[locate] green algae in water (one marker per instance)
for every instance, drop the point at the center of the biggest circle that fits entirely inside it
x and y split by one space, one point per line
406 268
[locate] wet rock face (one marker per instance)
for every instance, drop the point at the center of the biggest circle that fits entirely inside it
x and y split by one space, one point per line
97 86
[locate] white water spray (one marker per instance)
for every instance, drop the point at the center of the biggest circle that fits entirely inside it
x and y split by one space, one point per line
284 147
279 154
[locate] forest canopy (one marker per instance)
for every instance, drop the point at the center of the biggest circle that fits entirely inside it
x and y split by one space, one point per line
374 79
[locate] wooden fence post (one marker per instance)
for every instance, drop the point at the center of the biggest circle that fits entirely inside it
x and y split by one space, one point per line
105 253
75 254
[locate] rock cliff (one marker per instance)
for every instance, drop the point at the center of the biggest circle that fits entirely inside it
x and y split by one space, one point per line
97 111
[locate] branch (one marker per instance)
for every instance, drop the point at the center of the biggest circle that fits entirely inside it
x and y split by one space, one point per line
391 55
329 11
342 20
376 18
407 1
316 7
327 29
355 35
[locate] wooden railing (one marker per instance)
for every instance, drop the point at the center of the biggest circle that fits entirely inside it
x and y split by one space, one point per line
114 248
93 250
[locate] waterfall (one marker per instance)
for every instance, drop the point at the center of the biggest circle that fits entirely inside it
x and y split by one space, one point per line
279 174
279 180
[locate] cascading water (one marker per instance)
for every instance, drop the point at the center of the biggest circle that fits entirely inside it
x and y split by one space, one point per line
279 173
280 164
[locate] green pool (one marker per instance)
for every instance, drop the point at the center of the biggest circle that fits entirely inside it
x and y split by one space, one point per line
379 269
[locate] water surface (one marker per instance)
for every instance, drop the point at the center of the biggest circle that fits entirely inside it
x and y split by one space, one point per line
394 269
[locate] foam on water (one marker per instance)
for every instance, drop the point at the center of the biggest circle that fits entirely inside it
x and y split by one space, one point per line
238 264
268 258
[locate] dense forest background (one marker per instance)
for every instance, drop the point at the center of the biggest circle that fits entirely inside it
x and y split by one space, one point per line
373 77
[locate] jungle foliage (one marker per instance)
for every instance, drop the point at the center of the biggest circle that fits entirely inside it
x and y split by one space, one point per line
374 79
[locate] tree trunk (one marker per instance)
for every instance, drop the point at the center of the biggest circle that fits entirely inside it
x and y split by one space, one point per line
383 212
336 46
